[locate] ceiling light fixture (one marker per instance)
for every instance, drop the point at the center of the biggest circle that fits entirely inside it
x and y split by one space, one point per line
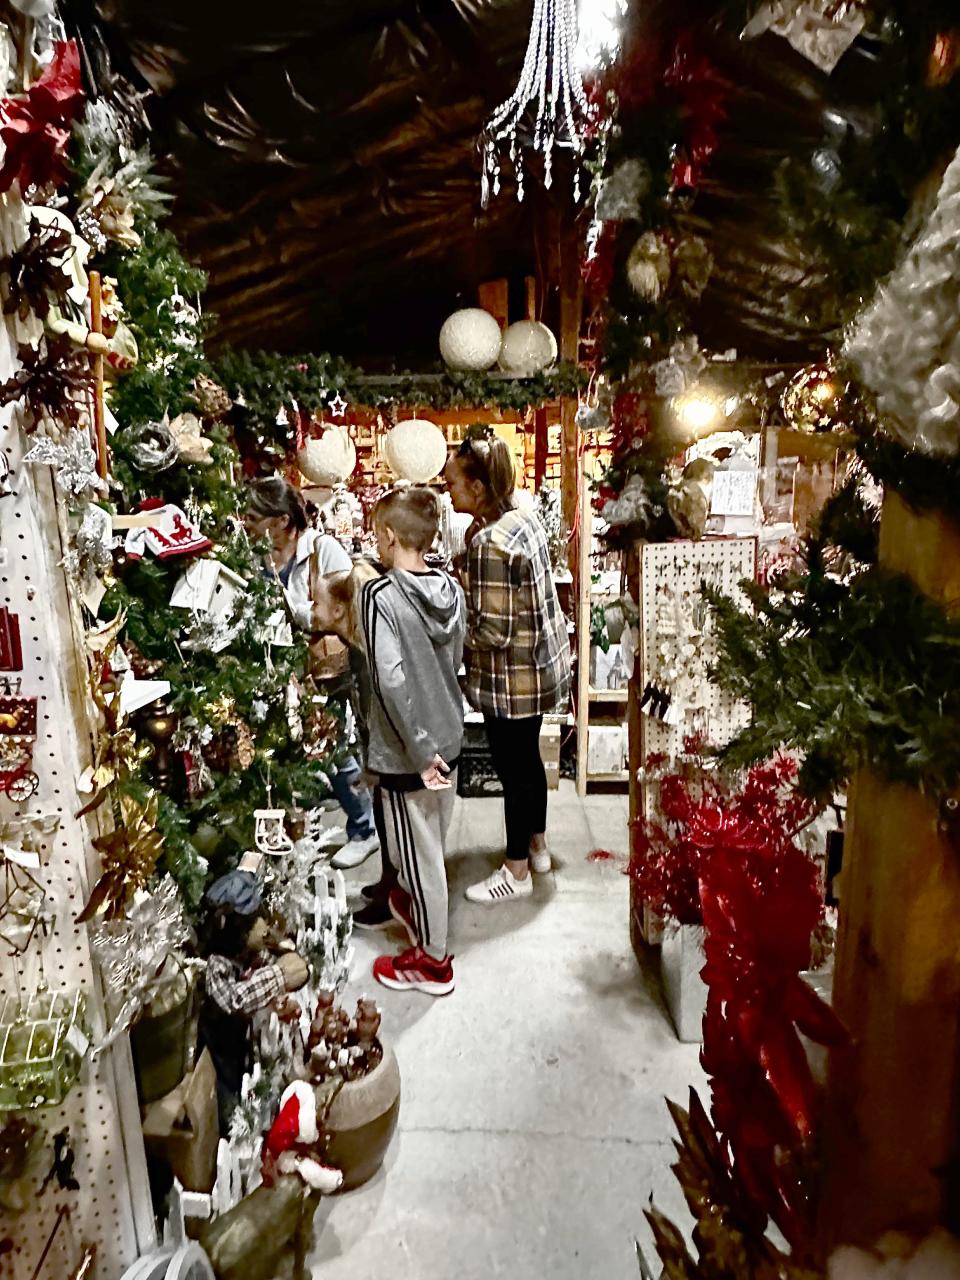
547 110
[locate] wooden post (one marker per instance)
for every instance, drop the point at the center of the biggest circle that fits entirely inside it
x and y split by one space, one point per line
494 296
571 301
99 421
891 1134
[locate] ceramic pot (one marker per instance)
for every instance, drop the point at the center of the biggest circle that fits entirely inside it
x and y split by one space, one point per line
163 1049
362 1121
681 959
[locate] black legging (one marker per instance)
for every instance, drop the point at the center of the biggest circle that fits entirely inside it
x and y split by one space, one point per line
515 748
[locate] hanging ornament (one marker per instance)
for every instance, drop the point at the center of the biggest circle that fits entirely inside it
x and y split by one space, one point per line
470 340
152 446
528 347
270 835
415 450
193 446
648 266
211 398
821 30
328 459
811 400
550 89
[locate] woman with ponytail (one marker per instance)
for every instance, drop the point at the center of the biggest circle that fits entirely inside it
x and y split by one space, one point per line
518 653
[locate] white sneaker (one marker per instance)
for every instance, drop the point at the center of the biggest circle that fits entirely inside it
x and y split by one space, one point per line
502 886
541 862
354 852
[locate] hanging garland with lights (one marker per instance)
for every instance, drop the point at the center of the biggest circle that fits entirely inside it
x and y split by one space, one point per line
263 386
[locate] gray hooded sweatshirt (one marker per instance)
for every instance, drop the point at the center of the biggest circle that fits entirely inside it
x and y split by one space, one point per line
413 628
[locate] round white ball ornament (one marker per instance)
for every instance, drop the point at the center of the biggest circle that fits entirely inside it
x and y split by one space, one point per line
415 450
528 347
470 340
328 459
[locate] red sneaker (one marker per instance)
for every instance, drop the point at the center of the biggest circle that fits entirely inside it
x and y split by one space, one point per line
401 909
414 970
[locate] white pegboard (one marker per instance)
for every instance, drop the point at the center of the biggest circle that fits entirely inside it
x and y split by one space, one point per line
671 575
112 1207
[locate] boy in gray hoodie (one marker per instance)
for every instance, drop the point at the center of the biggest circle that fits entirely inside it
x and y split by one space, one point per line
413 622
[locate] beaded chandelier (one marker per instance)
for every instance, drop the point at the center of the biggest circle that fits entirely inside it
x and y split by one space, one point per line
548 109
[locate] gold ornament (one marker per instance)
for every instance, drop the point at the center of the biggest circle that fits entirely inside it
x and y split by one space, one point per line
211 397
244 751
118 752
128 855
812 399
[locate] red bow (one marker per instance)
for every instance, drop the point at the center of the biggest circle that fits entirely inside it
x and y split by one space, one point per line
36 127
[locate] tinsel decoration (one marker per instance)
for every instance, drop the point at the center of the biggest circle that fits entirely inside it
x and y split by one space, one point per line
813 400
73 460
128 855
92 545
620 195
143 957
33 277
36 127
905 346
151 447
762 900
52 385
700 94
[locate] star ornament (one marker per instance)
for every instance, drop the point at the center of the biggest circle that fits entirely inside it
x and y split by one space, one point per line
337 406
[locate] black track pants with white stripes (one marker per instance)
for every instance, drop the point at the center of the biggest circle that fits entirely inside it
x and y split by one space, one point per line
416 825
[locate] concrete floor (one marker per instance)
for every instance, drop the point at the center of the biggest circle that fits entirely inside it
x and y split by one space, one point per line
533 1129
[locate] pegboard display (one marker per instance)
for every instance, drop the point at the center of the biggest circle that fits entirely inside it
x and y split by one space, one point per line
111 1209
676 643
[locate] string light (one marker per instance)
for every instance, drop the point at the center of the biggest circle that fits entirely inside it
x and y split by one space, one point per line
598 40
698 411
551 89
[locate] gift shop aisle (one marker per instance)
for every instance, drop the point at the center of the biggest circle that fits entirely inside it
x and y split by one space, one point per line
532 1126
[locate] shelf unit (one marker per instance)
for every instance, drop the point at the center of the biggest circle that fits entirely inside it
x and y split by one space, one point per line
594 706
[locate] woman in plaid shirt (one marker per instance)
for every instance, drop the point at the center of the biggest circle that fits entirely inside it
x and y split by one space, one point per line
518 653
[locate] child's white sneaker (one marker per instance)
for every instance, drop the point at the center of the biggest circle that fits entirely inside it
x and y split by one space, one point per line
541 862
502 886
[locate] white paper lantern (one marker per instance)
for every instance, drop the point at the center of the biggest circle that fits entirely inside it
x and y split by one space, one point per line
328 459
415 450
470 340
528 346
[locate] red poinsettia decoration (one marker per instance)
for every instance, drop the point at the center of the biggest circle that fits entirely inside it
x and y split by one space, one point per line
36 127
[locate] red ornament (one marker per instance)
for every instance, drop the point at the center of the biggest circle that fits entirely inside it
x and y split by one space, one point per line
36 127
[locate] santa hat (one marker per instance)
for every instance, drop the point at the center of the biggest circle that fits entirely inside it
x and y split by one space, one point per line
296 1122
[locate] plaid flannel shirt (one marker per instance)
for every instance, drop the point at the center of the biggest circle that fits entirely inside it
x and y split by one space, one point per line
518 652
238 992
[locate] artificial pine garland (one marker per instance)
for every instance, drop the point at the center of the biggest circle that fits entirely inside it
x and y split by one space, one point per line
851 677
262 383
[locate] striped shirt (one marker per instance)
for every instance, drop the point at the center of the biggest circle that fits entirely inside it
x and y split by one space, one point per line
518 652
